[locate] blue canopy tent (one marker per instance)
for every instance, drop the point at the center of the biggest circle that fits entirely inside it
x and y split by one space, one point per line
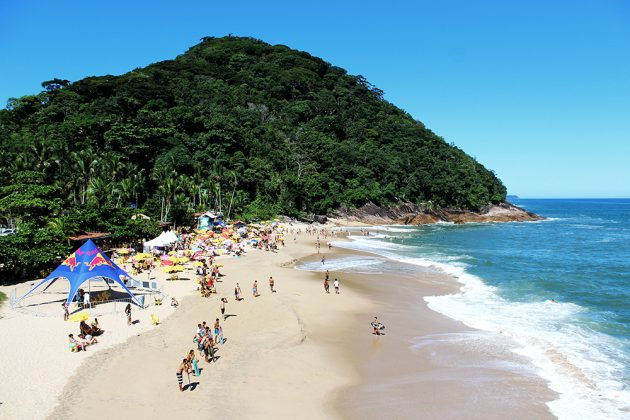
85 263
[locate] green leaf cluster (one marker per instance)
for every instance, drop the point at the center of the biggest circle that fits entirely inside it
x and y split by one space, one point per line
234 124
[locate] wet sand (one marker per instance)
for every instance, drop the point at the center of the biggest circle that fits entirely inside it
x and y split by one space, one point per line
429 366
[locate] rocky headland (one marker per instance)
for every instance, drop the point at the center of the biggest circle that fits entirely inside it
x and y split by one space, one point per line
415 214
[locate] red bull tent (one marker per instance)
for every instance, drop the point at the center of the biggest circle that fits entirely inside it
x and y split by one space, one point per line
87 262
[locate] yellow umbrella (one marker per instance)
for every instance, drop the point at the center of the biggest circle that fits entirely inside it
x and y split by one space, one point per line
169 269
178 268
184 259
79 316
197 264
123 251
172 252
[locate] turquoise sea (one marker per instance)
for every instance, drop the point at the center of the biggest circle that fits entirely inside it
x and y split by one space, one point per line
559 287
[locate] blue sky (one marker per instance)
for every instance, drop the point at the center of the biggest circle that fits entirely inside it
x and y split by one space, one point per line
538 91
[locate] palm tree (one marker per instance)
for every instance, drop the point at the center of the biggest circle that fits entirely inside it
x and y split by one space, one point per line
137 180
215 180
113 164
234 184
100 191
85 164
167 191
125 191
62 227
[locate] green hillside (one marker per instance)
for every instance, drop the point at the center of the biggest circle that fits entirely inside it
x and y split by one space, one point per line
234 123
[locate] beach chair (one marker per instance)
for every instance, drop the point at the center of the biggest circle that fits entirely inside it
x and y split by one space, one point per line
154 319
158 302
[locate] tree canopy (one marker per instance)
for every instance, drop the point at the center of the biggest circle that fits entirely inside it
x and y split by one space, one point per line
234 124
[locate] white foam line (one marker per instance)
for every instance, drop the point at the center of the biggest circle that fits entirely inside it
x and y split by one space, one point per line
579 363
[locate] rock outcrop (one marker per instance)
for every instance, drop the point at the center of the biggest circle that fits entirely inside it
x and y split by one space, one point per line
414 214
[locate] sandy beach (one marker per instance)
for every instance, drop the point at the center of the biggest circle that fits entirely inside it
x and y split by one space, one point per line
297 352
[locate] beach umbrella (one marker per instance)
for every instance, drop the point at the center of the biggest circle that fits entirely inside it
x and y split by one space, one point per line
178 268
79 316
197 264
169 269
184 259
172 252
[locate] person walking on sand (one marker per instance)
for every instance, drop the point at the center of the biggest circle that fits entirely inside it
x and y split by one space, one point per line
326 286
180 374
336 284
66 313
223 300
128 313
255 288
237 292
218 332
271 282
194 362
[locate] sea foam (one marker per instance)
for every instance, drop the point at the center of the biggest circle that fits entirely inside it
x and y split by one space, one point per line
578 362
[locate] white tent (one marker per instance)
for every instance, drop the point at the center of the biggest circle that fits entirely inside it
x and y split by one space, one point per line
165 238
171 237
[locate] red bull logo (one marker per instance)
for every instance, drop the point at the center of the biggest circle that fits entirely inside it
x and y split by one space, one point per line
97 261
71 262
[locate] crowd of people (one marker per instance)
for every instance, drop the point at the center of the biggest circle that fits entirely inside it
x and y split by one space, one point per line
86 337
202 250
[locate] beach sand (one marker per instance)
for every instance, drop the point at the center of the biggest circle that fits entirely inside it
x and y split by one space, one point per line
295 353
283 354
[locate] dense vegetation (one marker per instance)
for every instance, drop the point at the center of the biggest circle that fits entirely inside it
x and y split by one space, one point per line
235 124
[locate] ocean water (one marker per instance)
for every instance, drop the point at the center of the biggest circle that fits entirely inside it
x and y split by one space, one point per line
560 288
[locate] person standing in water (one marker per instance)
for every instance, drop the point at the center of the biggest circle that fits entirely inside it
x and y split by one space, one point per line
377 326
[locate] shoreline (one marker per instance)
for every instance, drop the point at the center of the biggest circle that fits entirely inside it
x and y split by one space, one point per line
436 365
295 351
431 364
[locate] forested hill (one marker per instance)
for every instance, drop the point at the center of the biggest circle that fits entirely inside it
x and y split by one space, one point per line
290 131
